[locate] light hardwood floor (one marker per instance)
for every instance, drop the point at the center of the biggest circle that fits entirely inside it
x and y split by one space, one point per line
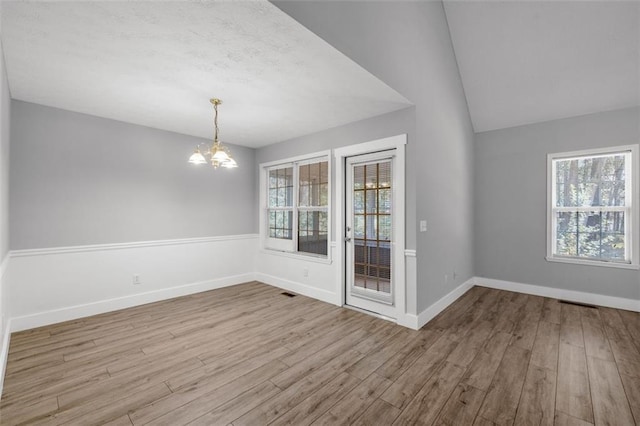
249 355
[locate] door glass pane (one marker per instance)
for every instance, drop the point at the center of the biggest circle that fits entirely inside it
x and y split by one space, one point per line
372 199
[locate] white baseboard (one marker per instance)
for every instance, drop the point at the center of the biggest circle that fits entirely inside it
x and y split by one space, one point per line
428 314
4 352
557 293
409 321
305 290
80 311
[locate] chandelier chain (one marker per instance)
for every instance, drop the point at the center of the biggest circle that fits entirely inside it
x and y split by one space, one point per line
215 120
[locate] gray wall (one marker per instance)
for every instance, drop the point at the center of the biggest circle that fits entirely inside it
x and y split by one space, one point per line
510 201
407 45
78 179
5 115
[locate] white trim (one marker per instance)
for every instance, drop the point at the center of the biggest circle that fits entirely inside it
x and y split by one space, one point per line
439 306
80 311
119 246
5 320
372 146
557 293
298 255
5 264
4 352
296 287
600 263
297 159
410 253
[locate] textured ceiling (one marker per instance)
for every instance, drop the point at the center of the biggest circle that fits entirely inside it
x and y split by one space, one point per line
529 61
157 64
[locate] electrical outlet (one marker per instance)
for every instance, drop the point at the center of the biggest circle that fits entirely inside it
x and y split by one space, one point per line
423 226
136 279
446 278
305 272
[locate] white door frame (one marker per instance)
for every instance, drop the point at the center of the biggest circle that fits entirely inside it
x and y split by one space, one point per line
340 154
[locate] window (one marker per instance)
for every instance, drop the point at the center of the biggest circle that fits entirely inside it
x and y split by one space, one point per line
593 207
297 206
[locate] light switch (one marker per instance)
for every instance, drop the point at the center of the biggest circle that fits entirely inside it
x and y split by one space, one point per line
423 226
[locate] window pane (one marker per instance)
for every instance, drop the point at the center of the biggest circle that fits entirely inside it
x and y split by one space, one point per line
280 223
358 177
371 224
591 235
384 228
384 201
358 226
313 184
312 232
591 181
372 201
358 202
371 175
280 187
384 174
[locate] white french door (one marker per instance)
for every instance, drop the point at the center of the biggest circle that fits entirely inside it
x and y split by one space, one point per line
370 225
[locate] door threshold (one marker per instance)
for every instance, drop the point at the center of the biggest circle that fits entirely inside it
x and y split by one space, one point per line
373 314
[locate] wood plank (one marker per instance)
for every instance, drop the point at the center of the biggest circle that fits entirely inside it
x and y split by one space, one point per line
355 403
545 347
538 400
405 388
526 326
380 412
571 325
611 406
480 372
26 413
595 343
573 395
625 351
425 406
632 322
395 366
301 390
563 419
550 311
632 389
120 421
99 411
239 405
473 342
219 391
501 403
461 408
318 403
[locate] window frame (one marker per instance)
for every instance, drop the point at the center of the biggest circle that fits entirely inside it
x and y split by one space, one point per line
289 248
632 247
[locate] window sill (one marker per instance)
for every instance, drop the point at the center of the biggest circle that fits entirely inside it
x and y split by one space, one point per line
593 263
299 256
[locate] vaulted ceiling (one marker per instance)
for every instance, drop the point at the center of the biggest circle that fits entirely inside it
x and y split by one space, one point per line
524 62
157 64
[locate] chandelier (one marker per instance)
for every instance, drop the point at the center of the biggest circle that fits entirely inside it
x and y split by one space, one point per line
220 156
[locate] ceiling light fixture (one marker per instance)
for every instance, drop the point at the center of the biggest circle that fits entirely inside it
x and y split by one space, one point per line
220 154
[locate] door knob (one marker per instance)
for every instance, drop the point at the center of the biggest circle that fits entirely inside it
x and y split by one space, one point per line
347 239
